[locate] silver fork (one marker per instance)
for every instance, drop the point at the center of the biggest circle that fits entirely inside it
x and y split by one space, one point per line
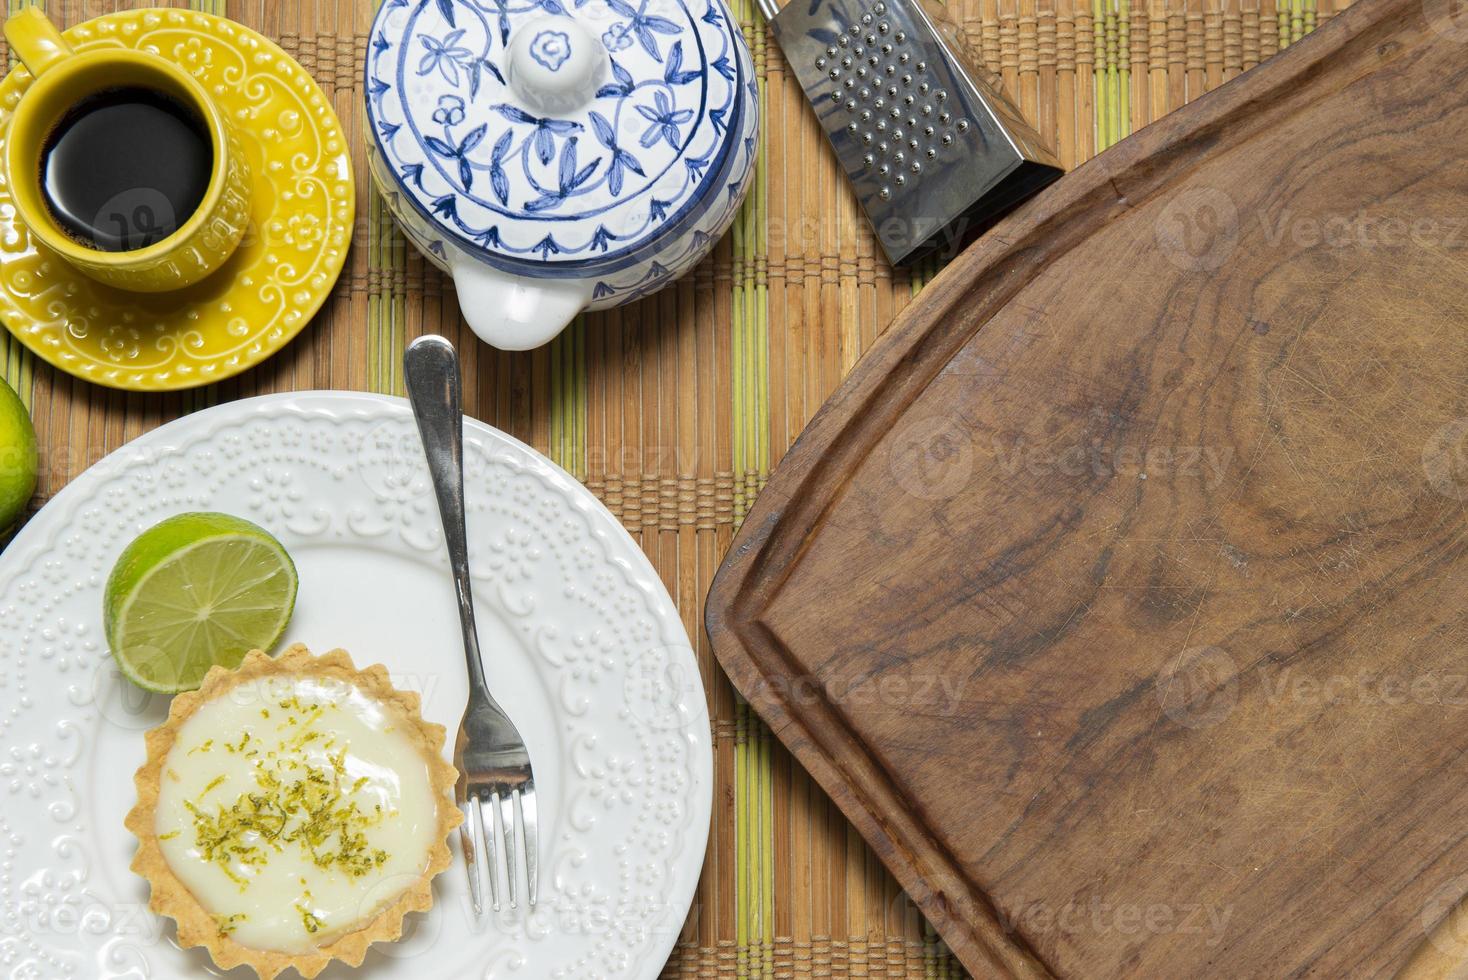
494 766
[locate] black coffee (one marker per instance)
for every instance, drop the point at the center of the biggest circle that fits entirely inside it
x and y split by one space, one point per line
125 168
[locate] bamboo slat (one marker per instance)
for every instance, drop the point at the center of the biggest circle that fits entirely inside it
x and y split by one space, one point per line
674 410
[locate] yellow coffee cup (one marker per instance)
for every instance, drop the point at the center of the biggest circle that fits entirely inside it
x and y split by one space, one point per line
63 77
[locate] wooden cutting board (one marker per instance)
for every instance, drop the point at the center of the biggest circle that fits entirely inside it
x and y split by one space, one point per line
1118 597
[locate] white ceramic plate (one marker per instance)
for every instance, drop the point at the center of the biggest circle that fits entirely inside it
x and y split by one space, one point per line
580 639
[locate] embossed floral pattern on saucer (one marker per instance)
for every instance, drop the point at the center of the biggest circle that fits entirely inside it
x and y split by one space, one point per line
290 258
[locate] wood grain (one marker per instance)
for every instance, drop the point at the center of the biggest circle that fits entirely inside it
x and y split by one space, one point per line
1117 596
790 889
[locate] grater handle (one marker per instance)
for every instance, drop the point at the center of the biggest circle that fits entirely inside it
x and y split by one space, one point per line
767 7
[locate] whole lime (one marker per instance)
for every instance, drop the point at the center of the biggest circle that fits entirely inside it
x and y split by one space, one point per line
17 457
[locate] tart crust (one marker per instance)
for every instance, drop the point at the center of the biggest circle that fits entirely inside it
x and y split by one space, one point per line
170 897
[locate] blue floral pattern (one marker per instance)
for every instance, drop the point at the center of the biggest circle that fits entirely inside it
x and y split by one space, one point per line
551 49
659 142
450 111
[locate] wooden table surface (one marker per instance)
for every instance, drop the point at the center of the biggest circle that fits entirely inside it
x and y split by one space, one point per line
674 410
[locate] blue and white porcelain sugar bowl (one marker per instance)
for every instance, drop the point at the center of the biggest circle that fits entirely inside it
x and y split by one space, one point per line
555 156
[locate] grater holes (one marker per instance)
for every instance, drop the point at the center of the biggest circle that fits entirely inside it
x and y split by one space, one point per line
900 119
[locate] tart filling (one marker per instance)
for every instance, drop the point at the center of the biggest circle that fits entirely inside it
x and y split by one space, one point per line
292 811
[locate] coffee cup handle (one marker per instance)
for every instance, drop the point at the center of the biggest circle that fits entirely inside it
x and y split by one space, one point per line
515 313
35 40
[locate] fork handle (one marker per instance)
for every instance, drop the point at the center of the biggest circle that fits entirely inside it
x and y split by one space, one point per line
431 372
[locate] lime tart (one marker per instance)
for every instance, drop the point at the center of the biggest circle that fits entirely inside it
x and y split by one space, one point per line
292 811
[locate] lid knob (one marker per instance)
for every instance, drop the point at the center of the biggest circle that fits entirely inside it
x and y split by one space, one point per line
555 64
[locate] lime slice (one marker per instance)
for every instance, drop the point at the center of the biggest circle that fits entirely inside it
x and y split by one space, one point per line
195 591
17 457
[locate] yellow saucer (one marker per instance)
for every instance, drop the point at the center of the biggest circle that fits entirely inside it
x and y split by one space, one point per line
300 224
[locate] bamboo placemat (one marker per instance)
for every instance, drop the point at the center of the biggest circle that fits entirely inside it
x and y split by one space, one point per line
674 410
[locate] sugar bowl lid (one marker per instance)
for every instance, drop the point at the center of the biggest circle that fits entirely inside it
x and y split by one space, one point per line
560 137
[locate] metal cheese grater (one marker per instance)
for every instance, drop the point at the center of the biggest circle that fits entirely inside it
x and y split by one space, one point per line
931 146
